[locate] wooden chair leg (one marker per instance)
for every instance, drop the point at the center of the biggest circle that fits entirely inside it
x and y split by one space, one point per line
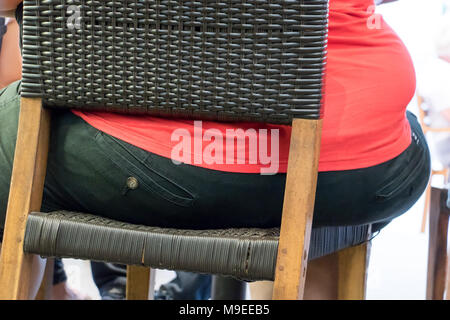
352 272
45 291
298 209
437 245
140 283
27 185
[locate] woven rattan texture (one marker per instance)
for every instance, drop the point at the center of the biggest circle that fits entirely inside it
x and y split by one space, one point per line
248 254
226 60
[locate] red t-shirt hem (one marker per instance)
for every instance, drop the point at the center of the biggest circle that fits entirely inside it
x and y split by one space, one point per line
384 154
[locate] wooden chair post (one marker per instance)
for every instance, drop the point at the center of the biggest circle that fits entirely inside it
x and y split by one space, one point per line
140 283
352 272
298 209
25 195
437 245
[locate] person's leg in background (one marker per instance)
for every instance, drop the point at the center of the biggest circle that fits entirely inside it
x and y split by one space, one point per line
186 286
110 280
61 289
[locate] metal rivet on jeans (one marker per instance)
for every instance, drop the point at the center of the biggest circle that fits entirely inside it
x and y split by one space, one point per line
132 183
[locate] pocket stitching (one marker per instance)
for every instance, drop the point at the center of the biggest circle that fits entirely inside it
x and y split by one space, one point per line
156 188
400 181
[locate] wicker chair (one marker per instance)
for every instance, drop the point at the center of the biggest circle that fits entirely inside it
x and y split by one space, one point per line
224 60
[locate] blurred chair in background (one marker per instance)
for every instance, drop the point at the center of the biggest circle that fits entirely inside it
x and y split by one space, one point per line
434 104
434 115
424 110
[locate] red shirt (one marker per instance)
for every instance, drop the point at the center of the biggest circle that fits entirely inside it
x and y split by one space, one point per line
369 82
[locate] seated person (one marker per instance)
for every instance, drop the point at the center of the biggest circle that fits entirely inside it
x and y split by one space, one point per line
374 162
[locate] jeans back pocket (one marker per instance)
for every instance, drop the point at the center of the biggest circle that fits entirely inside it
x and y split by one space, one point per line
404 174
132 161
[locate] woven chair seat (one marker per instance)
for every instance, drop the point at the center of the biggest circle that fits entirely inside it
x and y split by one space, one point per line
245 253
